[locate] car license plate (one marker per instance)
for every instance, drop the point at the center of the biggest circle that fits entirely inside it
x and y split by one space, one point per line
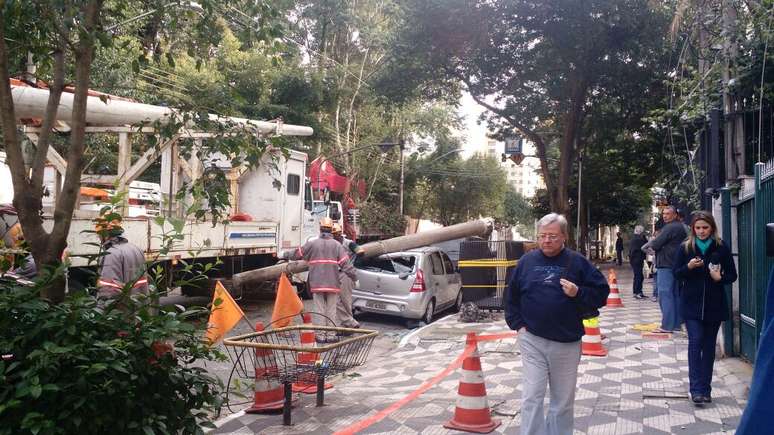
377 305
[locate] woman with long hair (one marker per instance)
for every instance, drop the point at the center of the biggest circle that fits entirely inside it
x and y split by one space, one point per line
703 267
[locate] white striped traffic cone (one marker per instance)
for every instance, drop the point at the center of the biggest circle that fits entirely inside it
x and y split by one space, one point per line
591 343
269 394
614 298
307 382
472 411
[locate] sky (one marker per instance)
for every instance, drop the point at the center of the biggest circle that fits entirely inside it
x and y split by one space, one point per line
474 134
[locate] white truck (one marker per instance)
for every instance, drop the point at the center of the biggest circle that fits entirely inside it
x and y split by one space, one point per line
273 217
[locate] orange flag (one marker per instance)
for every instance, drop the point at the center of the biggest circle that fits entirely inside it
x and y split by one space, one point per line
286 304
224 316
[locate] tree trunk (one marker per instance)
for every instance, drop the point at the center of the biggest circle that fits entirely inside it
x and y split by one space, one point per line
47 248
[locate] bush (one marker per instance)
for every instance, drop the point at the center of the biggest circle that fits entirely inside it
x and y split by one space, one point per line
84 366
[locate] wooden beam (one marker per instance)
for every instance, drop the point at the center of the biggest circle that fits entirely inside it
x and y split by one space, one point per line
107 180
147 159
53 157
124 154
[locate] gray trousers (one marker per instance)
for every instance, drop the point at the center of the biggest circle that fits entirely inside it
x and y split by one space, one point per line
344 306
547 362
325 304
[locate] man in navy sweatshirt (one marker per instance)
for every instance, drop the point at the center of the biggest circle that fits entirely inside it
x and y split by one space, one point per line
548 291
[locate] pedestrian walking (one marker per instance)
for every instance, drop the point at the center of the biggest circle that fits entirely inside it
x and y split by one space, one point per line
637 261
619 249
344 315
552 289
703 266
325 256
122 265
666 245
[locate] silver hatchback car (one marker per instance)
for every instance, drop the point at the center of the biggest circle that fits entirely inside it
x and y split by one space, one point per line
413 284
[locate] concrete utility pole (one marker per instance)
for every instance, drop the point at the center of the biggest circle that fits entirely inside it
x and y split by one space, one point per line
580 208
481 227
401 145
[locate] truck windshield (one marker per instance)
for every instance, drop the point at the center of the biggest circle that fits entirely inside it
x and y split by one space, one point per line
395 264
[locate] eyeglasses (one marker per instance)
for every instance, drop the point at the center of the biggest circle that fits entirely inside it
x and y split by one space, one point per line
549 237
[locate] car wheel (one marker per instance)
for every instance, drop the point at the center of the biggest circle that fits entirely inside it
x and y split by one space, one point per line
458 301
428 316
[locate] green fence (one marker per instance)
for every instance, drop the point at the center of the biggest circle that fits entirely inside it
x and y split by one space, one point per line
754 210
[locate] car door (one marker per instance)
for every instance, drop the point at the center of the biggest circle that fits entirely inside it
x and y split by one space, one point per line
452 277
440 282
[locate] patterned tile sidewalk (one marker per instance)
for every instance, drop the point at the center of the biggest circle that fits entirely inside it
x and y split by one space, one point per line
640 387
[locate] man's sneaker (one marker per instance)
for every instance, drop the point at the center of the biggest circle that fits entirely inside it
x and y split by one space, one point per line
654 298
639 296
707 398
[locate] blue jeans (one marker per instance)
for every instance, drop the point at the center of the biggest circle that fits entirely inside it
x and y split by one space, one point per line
701 354
668 299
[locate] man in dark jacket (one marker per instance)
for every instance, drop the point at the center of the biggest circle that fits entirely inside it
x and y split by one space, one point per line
619 249
666 245
547 292
637 260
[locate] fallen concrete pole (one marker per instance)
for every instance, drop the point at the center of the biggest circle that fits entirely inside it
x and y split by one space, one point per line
480 227
31 103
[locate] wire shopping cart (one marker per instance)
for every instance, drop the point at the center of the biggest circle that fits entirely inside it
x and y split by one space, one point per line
279 355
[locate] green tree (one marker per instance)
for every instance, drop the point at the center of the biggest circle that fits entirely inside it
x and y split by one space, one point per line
537 66
518 212
451 190
63 38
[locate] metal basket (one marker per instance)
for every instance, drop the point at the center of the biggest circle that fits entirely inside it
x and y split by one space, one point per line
276 352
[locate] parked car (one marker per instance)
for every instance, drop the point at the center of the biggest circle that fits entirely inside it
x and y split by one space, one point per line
413 284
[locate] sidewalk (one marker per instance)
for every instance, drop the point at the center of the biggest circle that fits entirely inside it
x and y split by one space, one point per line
640 387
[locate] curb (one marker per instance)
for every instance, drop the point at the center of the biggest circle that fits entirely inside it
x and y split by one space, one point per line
404 341
225 420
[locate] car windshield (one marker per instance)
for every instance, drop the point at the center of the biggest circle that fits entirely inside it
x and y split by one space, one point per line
391 264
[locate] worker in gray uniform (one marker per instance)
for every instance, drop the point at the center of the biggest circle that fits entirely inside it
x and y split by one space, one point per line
324 256
122 265
344 306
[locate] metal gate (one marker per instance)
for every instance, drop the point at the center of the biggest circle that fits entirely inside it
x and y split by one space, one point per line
754 210
485 268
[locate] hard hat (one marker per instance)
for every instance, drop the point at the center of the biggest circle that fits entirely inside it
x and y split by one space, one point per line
108 222
336 228
326 223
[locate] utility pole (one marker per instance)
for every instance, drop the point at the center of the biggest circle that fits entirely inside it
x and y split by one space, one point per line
580 179
401 146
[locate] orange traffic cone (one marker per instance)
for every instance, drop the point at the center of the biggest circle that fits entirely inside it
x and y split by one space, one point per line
307 383
614 298
591 343
472 411
269 394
